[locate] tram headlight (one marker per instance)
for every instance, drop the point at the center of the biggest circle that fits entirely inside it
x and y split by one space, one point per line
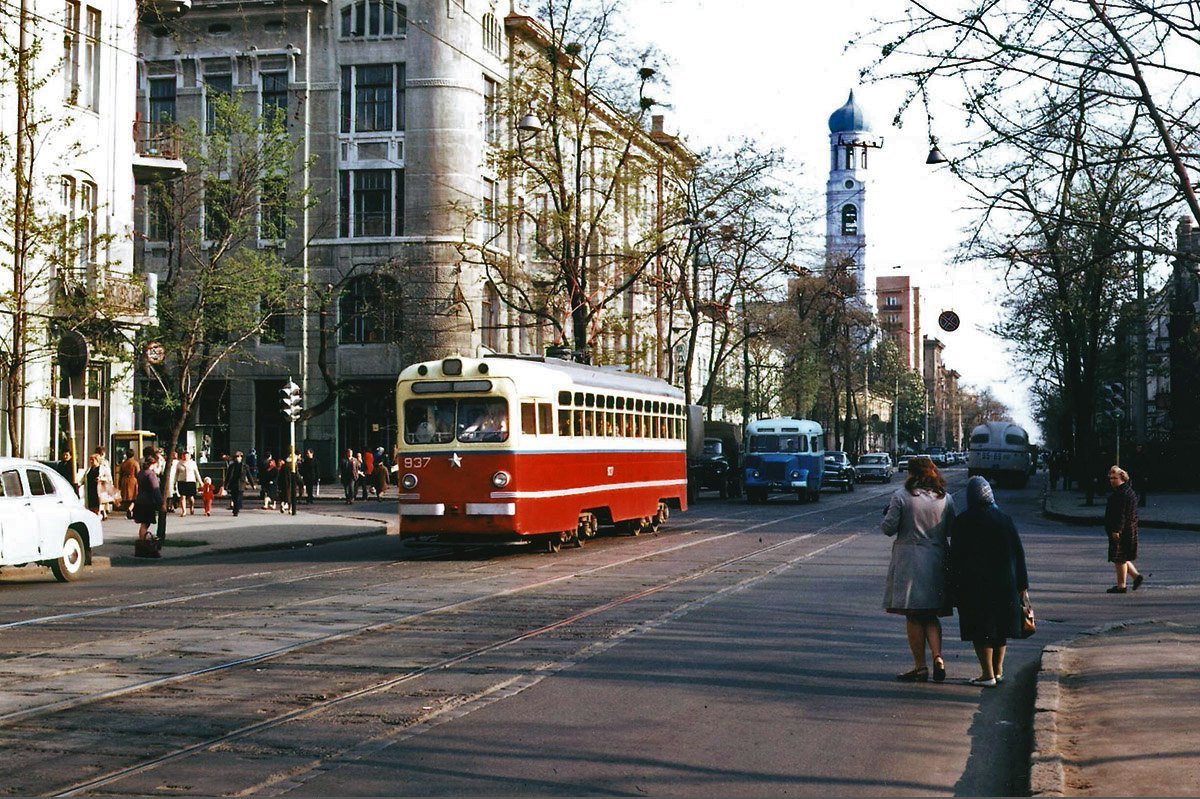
757 474
409 481
795 475
500 479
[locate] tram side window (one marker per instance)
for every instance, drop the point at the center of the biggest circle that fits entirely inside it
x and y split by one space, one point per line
529 419
545 413
564 422
429 421
577 426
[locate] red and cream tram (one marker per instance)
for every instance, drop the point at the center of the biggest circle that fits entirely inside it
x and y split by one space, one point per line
508 448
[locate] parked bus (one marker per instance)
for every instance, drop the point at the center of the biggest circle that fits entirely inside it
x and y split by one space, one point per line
536 450
1000 451
783 456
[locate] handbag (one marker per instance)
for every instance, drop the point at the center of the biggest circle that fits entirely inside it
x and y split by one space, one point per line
1028 620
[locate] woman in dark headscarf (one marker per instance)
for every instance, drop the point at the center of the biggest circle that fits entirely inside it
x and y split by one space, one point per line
989 578
1121 524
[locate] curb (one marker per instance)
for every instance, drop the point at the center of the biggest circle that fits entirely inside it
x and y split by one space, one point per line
1046 774
199 552
1089 521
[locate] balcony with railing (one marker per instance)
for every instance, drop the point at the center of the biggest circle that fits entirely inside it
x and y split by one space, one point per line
157 151
114 296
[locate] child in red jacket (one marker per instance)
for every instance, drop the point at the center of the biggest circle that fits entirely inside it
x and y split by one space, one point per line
207 492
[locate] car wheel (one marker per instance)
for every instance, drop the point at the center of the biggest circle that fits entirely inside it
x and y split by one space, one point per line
723 492
815 496
67 567
851 485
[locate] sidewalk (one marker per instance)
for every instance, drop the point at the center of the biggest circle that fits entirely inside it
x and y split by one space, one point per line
252 530
1175 511
1117 713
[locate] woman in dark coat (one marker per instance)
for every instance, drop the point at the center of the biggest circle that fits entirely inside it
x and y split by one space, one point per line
1121 524
989 578
147 505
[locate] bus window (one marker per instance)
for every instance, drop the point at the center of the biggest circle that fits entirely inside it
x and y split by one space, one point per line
815 444
429 421
564 422
529 419
484 419
545 412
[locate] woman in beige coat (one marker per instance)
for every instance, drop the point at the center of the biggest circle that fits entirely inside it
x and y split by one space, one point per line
919 516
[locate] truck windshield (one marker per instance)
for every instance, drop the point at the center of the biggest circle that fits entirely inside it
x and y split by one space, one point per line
769 443
440 420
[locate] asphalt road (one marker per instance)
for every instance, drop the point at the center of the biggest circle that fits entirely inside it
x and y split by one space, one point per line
740 651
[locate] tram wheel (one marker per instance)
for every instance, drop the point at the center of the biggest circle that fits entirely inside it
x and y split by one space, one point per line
587 526
554 543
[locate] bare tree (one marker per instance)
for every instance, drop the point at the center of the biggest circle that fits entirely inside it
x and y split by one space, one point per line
595 204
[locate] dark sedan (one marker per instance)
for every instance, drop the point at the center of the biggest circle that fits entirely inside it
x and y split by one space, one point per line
838 471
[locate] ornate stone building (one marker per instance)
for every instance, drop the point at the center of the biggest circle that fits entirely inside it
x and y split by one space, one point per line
397 105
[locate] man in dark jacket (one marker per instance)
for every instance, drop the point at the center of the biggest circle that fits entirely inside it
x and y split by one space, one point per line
308 473
66 467
349 474
235 477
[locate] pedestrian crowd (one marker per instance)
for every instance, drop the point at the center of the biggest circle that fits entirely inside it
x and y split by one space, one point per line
943 559
164 482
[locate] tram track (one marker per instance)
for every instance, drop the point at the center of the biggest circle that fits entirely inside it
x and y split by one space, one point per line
674 544
26 714
464 657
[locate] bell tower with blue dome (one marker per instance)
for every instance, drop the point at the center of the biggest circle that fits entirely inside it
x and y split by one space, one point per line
845 193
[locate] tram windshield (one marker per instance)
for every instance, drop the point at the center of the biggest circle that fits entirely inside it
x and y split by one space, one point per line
768 443
443 419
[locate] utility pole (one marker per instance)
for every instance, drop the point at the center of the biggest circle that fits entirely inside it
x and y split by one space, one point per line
16 376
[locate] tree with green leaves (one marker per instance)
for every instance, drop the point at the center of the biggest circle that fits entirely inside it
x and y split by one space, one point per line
219 289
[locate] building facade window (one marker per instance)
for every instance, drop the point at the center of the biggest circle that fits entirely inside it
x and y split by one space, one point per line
81 55
490 317
371 202
491 119
274 97
89 66
158 212
218 197
374 19
491 34
162 99
849 220
491 206
272 209
79 206
372 98
369 310
70 60
216 88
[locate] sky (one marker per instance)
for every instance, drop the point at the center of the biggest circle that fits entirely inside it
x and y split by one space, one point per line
774 70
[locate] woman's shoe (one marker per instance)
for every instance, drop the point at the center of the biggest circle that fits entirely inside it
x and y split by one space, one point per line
939 670
984 682
919 674
999 679
1116 589
1138 580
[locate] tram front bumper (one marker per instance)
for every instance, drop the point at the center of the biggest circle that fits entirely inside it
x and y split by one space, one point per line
466 509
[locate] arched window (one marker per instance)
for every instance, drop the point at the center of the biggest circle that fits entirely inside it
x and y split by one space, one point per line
491 34
374 19
369 310
849 220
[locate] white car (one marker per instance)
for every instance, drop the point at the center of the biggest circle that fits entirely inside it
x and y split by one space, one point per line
43 521
875 466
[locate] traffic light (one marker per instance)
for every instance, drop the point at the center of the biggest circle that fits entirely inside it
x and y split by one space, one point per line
290 401
1114 399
